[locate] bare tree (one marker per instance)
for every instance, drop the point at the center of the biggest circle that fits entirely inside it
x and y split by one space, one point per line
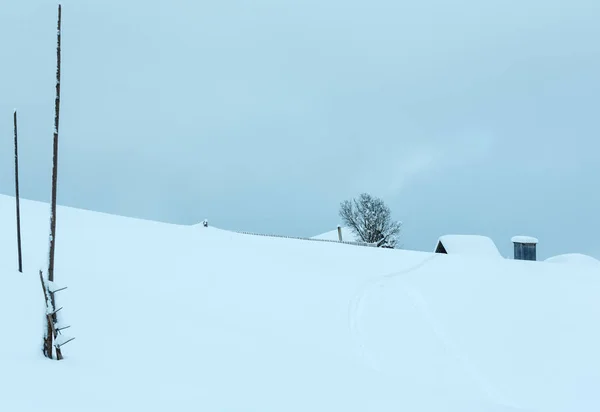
371 220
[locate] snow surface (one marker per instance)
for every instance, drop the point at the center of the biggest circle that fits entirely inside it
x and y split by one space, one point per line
180 318
347 235
474 245
574 259
524 239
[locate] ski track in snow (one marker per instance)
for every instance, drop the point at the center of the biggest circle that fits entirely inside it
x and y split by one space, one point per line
419 302
355 310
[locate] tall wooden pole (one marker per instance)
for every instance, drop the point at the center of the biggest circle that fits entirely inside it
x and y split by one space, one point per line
18 206
55 156
51 319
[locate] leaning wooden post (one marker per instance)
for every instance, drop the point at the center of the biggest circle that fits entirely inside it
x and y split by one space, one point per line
18 206
48 334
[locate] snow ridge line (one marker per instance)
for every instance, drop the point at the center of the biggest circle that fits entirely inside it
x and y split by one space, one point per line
355 306
345 242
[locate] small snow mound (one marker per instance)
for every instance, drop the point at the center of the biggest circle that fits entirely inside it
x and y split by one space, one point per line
524 239
574 259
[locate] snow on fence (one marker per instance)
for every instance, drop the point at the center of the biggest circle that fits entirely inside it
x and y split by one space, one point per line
365 244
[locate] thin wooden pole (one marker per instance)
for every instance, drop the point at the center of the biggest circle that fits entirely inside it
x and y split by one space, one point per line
51 318
55 156
18 206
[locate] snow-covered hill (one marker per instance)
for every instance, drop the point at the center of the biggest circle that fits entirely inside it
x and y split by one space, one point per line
187 318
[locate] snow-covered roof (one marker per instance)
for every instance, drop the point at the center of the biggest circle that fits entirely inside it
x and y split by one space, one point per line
524 239
347 235
467 245
574 259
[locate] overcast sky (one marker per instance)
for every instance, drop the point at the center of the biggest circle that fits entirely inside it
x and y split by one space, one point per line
467 116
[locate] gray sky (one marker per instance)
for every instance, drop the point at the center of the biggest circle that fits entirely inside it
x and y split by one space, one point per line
465 116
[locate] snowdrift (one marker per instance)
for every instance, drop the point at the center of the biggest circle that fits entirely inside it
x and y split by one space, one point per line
183 318
574 259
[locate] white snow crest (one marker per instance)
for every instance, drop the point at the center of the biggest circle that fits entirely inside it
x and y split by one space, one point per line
524 239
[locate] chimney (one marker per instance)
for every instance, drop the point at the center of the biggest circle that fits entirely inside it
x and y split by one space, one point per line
340 233
525 247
